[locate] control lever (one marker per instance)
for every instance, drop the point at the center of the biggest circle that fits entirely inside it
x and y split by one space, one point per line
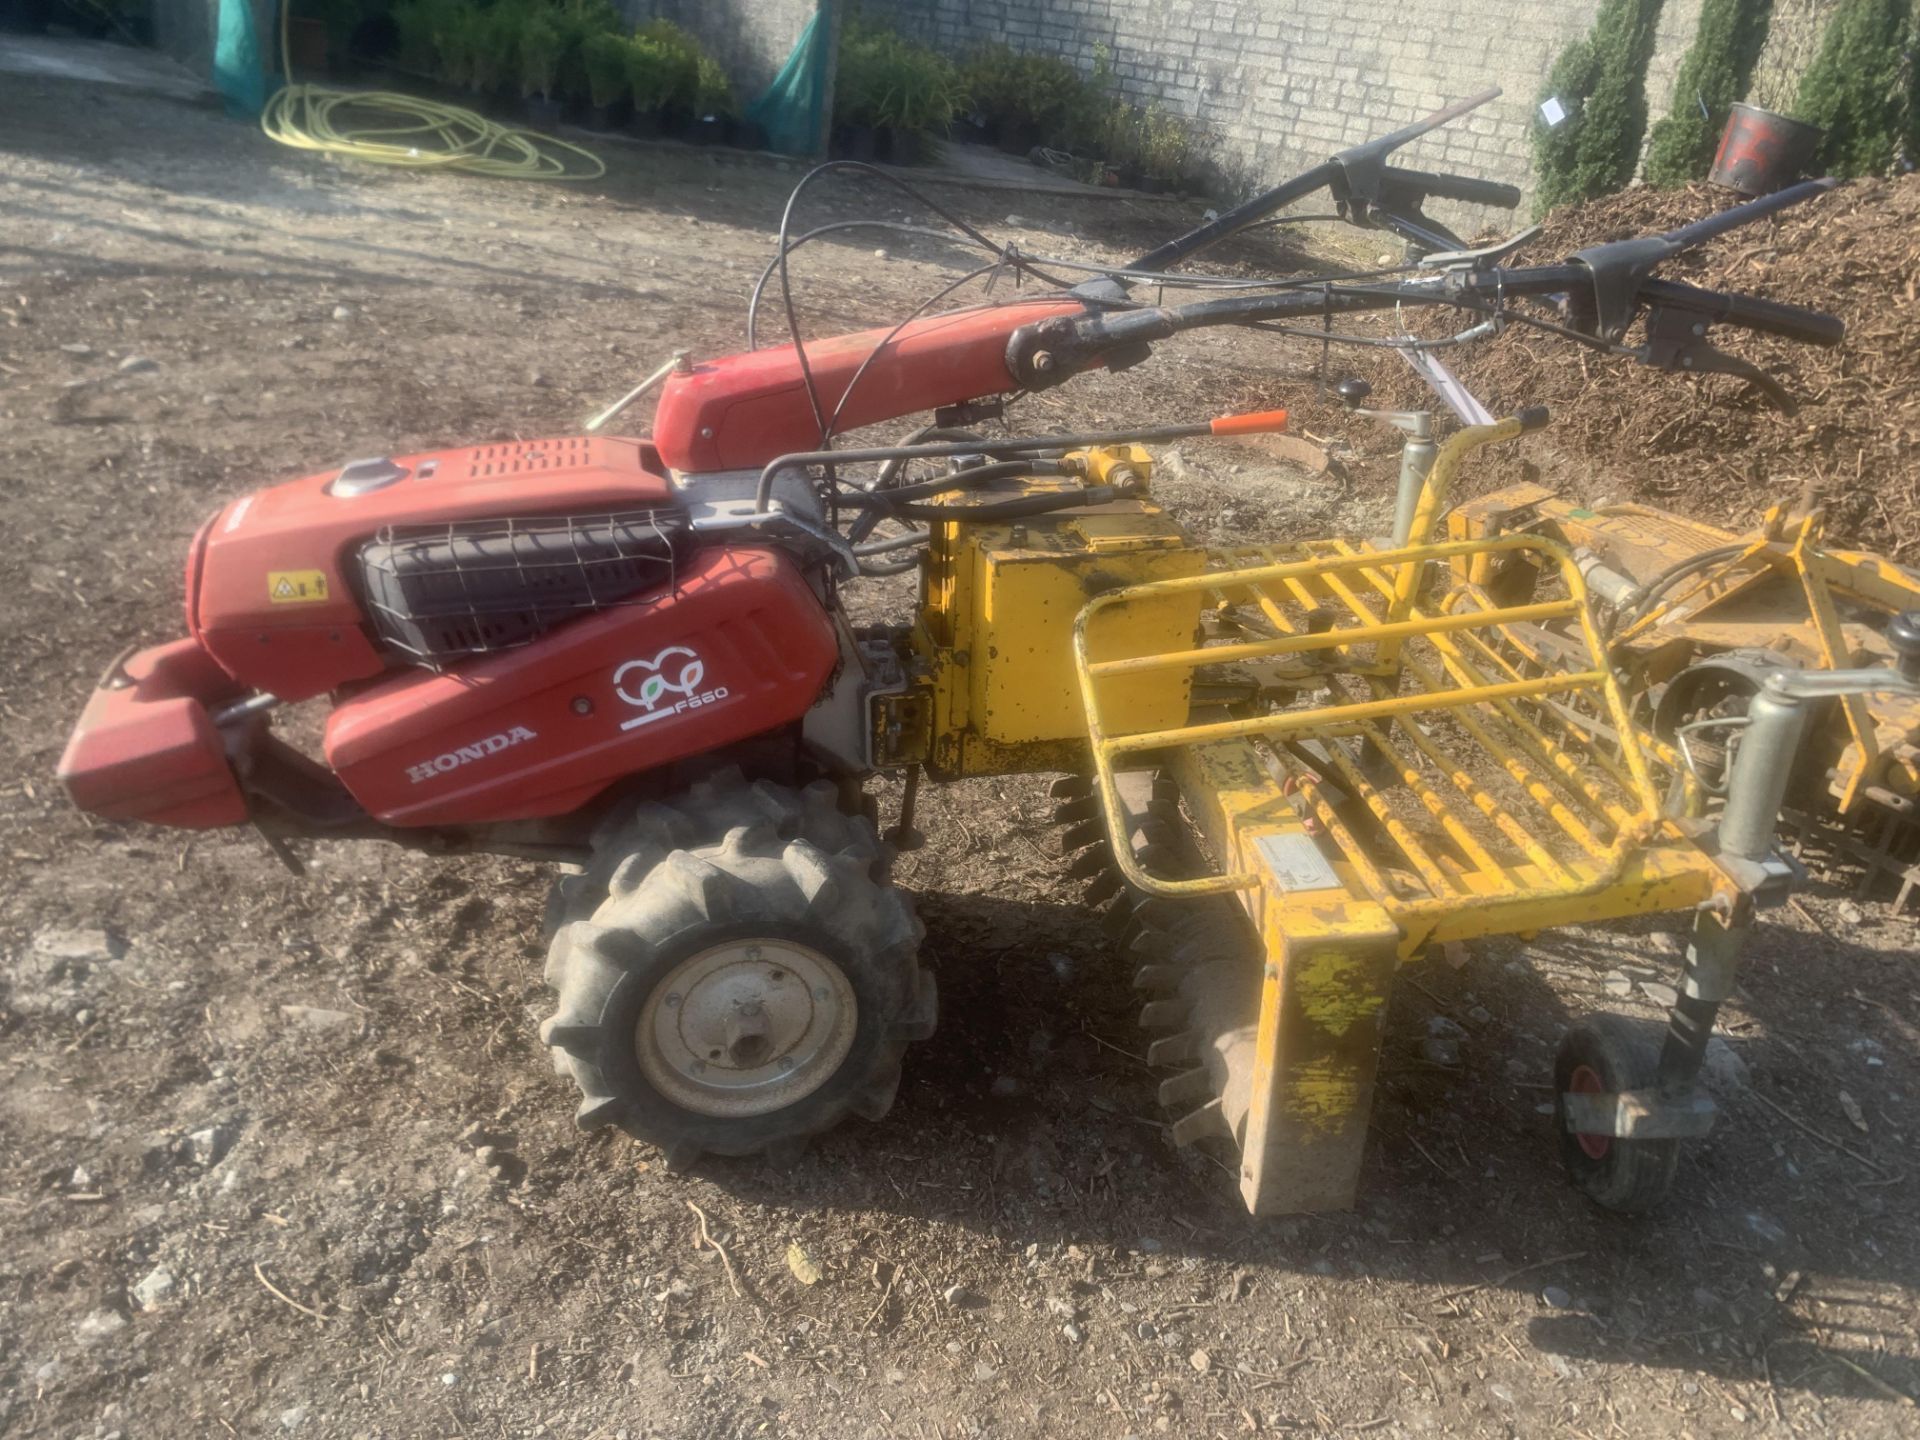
1416 454
1482 258
1678 342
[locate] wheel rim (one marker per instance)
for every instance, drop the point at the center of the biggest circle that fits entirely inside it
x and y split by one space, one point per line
746 1028
1585 1080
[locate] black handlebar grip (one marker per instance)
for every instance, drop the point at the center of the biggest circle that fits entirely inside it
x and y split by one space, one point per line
1534 417
1790 322
1811 327
1464 188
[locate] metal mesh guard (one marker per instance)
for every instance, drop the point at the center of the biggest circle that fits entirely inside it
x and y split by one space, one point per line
443 592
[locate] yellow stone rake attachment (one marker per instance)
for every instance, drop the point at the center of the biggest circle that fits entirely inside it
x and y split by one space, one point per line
1380 777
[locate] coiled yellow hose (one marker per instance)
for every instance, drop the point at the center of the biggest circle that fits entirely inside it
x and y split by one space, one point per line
388 128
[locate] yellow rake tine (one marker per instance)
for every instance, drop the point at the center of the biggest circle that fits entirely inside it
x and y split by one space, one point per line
1548 755
1566 722
1375 880
1487 805
1441 642
1412 778
1435 878
1445 643
1542 795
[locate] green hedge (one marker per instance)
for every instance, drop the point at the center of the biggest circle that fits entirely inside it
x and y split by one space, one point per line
1602 82
1716 72
1854 88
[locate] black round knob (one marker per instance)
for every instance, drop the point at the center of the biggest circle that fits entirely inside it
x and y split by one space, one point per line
1352 391
1903 633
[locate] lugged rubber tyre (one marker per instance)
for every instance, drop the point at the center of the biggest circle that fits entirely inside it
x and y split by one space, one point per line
806 944
1607 1054
701 815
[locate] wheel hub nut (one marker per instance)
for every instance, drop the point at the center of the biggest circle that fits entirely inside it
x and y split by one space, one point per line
748 1035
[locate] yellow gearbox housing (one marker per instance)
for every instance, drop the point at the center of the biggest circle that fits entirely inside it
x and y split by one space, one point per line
994 635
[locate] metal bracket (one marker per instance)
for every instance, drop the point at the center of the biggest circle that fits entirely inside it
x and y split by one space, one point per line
1639 1114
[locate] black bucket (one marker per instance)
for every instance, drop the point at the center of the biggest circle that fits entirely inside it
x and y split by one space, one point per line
1761 152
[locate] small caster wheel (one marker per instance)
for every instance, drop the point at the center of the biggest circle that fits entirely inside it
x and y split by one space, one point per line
1603 1055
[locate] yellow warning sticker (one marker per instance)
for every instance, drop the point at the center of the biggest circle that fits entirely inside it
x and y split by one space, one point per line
296 587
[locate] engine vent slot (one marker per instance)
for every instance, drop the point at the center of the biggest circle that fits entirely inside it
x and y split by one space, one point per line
438 593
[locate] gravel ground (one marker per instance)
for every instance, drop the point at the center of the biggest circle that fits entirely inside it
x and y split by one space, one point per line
283 1156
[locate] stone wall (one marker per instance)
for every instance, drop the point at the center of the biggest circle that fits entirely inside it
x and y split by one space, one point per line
751 38
1793 39
1279 84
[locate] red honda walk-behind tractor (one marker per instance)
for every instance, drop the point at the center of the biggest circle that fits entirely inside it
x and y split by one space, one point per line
629 657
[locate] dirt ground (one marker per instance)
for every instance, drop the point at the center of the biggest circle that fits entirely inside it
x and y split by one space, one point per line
225 1214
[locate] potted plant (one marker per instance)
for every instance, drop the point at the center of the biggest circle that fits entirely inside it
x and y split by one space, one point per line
427 33
859 88
650 79
581 21
1121 142
541 44
495 57
676 62
890 96
712 102
1165 146
604 59
456 44
992 79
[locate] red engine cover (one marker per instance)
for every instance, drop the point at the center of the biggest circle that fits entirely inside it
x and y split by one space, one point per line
269 589
740 411
739 646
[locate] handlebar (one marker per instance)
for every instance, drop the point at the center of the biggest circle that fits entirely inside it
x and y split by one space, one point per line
1601 289
1369 190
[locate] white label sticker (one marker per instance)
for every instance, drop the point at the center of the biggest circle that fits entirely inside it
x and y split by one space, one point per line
676 670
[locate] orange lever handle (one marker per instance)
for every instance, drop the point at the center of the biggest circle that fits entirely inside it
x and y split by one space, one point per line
1259 422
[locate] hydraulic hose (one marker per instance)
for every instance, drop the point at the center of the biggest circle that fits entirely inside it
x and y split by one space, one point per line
1630 615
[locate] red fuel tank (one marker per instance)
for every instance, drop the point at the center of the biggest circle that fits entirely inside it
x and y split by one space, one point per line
740 411
271 592
739 646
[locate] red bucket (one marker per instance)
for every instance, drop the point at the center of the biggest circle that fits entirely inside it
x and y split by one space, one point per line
1760 151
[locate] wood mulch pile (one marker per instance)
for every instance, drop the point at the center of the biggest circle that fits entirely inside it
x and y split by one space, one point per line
1712 447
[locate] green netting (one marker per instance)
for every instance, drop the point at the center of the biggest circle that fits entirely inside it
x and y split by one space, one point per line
239 67
791 112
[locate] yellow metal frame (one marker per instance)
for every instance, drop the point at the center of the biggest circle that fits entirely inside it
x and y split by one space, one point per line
1582 794
1352 834
1702 614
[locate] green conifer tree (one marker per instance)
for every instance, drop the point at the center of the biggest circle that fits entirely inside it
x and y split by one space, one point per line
1856 90
1717 70
1601 80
